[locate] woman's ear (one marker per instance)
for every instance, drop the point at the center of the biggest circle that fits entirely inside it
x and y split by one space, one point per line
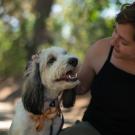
68 98
33 90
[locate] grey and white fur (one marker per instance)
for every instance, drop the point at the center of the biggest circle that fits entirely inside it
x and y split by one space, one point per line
51 73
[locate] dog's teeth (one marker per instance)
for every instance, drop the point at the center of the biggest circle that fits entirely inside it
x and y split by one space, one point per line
70 77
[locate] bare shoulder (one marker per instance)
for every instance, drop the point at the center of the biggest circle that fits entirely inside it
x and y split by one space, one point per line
98 53
100 46
94 59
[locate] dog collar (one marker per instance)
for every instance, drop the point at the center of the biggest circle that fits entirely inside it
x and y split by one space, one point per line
51 111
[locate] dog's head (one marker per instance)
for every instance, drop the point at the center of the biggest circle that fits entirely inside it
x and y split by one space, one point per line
51 73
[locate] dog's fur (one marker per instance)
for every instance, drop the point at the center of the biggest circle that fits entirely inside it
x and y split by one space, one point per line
45 79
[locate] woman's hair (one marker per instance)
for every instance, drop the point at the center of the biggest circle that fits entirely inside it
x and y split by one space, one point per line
127 15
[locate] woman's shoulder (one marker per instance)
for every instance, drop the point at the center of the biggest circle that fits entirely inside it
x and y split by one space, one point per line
103 43
98 52
100 47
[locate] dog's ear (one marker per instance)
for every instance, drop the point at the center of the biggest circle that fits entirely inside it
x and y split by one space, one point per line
33 90
68 98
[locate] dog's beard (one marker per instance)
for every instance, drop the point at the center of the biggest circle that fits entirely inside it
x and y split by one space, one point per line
56 86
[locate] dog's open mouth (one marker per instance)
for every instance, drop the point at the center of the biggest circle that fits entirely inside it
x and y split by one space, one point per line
69 76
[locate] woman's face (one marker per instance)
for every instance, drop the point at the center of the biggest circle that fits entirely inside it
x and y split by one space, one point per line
123 42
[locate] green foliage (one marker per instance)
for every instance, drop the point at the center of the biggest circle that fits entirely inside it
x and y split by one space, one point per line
12 57
82 23
76 26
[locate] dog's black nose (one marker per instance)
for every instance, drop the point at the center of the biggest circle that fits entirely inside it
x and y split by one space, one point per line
73 61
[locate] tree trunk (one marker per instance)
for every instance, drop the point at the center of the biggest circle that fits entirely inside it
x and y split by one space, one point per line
41 35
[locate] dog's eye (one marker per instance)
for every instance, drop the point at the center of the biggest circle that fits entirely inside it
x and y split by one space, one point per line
65 52
51 60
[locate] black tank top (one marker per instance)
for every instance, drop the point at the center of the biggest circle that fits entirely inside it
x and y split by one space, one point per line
112 107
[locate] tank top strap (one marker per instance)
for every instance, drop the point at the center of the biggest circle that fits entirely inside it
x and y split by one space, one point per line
110 54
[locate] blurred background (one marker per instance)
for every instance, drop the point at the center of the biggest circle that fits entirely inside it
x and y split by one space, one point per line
28 26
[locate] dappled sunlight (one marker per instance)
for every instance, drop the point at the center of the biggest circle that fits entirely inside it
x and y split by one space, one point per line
4 125
5 107
6 91
6 114
7 88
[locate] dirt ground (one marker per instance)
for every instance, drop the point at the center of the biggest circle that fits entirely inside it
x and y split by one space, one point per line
10 92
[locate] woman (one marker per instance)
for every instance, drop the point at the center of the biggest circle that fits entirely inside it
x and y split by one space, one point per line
108 72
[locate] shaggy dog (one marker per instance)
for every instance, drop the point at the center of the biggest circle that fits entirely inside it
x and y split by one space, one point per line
47 76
